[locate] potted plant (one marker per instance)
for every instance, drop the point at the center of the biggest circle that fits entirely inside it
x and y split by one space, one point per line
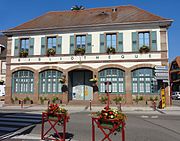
51 52
79 51
103 99
56 100
1 82
106 117
144 49
111 50
27 100
23 53
118 100
77 8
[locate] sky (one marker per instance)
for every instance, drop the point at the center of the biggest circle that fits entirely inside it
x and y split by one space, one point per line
16 12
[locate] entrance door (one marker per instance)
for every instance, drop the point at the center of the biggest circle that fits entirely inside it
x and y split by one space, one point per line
81 87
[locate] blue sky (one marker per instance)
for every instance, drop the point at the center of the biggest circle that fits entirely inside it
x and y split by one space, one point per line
15 12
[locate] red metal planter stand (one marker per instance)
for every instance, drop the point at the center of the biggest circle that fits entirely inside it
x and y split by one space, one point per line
53 122
110 130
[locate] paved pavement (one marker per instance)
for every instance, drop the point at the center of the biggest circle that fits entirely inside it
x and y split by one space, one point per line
13 116
173 110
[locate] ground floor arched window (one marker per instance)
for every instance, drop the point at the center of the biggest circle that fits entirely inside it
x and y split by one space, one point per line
23 82
116 76
49 82
143 81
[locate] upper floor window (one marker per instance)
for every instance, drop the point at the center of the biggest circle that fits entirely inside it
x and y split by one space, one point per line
51 42
24 45
144 39
3 67
111 40
81 41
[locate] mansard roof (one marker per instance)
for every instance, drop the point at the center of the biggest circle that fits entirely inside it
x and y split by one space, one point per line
90 17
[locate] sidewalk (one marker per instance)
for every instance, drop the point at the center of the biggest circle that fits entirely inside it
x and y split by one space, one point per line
78 108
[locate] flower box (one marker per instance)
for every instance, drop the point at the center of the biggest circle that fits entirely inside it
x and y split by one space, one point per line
51 52
79 51
111 50
144 49
23 53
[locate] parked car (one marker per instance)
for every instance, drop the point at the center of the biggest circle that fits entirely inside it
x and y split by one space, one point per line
175 95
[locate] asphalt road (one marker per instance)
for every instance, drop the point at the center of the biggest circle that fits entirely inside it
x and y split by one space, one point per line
139 127
176 102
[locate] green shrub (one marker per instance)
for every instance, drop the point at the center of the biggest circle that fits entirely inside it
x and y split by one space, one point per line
141 98
54 99
156 98
42 100
16 99
103 99
151 98
118 99
27 99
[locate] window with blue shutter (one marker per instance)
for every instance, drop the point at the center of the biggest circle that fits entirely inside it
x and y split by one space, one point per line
59 45
43 46
31 46
134 42
153 41
120 42
102 46
72 44
16 47
89 44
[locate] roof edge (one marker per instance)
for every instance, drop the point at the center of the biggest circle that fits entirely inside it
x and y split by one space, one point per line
165 23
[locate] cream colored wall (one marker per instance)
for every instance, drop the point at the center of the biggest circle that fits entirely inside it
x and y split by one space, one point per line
74 59
92 65
127 41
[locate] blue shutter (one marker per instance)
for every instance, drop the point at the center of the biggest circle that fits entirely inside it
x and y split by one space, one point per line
31 46
89 44
120 42
134 42
16 47
153 41
59 45
43 46
102 40
72 44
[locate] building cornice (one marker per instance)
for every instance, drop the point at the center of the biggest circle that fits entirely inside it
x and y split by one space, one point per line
91 28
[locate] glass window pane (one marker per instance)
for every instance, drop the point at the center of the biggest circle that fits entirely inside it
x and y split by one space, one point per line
148 88
141 89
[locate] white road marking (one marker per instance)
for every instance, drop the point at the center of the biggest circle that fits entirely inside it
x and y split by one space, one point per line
143 116
154 116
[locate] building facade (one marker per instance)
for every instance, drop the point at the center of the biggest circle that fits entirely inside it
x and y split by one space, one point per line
175 74
3 42
122 44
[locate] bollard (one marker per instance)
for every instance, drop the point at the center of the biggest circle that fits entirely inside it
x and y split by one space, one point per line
21 101
90 105
48 104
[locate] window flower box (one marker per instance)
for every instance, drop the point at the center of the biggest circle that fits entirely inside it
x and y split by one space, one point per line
111 50
79 51
23 53
108 118
1 82
144 49
51 52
